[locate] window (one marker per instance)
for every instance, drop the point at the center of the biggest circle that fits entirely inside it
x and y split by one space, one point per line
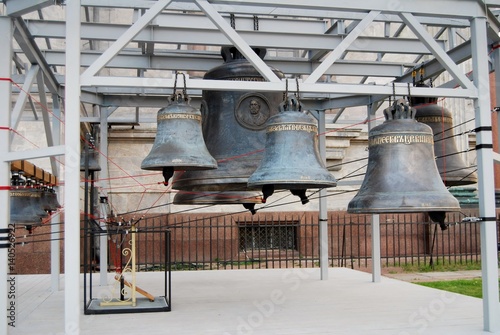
268 236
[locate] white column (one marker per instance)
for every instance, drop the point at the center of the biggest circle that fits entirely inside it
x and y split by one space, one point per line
323 212
103 175
376 266
55 229
72 305
5 108
486 188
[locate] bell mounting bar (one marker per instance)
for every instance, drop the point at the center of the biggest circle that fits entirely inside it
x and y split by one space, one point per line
34 171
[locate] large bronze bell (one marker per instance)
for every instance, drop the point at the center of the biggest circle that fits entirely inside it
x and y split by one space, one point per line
179 143
450 164
234 125
26 205
402 175
291 159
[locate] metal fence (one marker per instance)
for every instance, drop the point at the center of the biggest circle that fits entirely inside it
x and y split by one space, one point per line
285 240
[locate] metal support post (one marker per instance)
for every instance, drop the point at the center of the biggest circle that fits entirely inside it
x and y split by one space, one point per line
72 171
5 107
323 214
376 266
103 175
55 229
486 191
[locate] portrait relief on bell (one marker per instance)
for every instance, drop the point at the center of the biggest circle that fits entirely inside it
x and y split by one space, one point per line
253 111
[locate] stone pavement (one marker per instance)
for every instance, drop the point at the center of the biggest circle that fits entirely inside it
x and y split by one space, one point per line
435 276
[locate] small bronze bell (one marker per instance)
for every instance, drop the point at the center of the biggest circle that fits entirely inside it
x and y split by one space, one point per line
50 199
451 167
402 175
179 143
291 158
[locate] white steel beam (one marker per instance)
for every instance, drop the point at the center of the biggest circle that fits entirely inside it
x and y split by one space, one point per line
5 107
72 305
237 41
323 205
55 228
45 116
442 8
183 61
21 7
375 218
103 185
195 36
22 99
333 88
486 188
332 12
124 39
35 153
438 52
342 47
32 52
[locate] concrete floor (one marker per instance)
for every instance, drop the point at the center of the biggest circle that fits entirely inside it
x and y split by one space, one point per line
272 301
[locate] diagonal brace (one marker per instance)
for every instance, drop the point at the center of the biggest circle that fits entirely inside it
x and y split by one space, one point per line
124 39
237 41
342 47
436 50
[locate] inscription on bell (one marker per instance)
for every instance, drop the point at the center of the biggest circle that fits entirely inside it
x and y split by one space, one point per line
403 139
179 116
26 195
293 127
434 119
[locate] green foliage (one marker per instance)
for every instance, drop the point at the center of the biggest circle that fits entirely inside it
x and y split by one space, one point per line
470 287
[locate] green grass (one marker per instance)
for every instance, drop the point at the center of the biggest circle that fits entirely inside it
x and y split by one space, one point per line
440 267
470 287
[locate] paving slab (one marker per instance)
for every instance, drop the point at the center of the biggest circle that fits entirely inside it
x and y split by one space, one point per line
266 301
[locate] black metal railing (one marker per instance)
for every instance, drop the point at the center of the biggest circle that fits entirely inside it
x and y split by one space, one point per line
286 240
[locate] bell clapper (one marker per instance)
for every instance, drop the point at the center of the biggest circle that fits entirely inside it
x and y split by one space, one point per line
301 194
267 191
250 207
168 172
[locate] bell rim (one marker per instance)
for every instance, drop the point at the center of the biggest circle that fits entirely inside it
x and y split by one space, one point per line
403 210
293 184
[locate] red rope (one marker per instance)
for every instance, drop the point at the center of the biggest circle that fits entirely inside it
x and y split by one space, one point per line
5 79
5 188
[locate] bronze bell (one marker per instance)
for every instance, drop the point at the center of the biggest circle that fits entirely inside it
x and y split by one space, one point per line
450 164
179 143
26 205
291 159
50 199
402 175
89 156
234 125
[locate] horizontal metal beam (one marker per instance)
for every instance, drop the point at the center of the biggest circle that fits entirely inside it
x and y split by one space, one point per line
35 153
348 10
20 7
196 61
195 36
442 8
332 88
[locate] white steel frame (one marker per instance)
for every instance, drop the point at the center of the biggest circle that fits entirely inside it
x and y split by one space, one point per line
292 25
